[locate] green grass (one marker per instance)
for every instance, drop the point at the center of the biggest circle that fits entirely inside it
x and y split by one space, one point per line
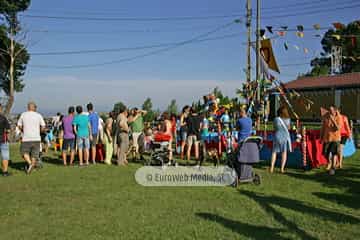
105 202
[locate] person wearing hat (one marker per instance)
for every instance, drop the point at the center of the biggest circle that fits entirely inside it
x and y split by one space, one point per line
31 123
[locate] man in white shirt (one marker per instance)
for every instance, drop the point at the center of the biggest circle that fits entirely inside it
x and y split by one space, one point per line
31 123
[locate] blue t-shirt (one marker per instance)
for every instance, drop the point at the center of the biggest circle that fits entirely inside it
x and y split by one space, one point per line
245 128
94 122
225 118
81 122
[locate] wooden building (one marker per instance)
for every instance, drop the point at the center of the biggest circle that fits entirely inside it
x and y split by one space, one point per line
342 90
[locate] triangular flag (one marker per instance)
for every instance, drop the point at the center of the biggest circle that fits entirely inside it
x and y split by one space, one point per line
296 47
269 28
285 28
316 26
300 28
286 46
281 33
317 35
337 36
262 32
338 25
268 55
306 50
300 34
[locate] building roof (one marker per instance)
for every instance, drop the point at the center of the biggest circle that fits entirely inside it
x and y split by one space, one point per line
341 80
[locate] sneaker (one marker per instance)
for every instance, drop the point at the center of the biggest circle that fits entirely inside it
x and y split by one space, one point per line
6 174
29 169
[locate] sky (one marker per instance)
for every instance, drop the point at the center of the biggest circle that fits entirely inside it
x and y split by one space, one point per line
185 73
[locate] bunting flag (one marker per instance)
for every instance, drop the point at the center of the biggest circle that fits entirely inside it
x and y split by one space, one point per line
269 28
268 54
306 51
317 35
285 28
338 25
300 34
300 28
337 36
286 46
316 26
281 33
296 47
262 32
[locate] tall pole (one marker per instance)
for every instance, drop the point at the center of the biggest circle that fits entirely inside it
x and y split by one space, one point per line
258 95
248 25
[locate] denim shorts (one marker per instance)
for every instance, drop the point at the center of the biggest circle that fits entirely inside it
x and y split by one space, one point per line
68 143
94 140
184 136
83 143
4 151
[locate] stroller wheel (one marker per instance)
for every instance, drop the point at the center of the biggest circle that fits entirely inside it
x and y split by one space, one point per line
235 184
257 179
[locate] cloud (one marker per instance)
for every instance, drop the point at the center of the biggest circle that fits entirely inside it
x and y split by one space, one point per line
55 93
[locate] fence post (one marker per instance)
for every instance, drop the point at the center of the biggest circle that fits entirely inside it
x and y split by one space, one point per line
304 150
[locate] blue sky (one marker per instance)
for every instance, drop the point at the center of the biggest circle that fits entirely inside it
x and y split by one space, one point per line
185 73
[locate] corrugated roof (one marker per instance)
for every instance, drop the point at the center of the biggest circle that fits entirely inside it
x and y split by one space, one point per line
341 80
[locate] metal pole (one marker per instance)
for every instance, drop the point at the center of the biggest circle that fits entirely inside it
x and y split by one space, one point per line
248 25
258 95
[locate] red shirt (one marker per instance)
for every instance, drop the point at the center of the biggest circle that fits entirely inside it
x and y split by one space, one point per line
345 128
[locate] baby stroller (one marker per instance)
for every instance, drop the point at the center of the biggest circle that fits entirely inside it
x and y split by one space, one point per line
243 159
159 150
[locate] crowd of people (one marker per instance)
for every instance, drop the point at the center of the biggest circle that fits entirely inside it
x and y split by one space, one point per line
79 133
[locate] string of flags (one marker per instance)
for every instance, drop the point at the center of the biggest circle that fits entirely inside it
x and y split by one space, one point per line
299 31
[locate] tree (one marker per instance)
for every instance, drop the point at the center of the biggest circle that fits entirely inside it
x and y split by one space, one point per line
14 56
5 61
217 92
348 38
172 108
118 107
147 106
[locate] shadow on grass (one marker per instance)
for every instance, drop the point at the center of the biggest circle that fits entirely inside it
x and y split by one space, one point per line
52 160
348 200
268 203
20 166
342 180
295 205
244 229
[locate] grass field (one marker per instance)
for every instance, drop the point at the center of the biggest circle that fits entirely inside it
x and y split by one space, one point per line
105 202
